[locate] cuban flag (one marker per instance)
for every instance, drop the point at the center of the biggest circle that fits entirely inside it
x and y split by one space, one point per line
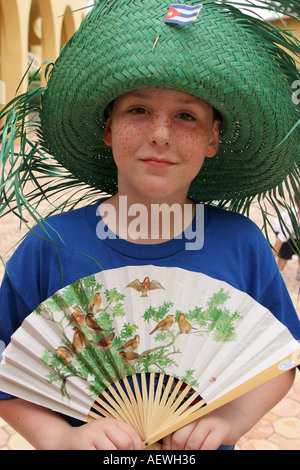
182 14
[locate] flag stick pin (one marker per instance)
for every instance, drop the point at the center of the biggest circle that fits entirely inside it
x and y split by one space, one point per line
155 42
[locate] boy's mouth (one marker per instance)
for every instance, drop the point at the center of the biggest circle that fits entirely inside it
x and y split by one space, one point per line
157 162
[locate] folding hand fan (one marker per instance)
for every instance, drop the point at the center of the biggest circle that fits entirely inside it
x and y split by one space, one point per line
152 346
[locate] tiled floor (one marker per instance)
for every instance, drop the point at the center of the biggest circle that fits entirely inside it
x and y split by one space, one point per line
10 440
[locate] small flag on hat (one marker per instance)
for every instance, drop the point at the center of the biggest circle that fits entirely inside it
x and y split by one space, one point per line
182 14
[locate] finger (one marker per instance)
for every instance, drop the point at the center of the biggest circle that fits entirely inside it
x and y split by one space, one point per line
114 435
166 444
191 437
212 441
125 437
179 439
134 436
105 443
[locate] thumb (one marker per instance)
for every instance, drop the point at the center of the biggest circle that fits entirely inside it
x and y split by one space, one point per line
166 444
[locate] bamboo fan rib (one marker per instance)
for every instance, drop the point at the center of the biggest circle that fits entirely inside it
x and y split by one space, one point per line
155 347
151 401
263 377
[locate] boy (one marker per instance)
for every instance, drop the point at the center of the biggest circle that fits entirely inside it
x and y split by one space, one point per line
161 132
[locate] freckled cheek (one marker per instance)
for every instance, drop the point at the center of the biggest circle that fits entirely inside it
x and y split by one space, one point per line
194 153
125 140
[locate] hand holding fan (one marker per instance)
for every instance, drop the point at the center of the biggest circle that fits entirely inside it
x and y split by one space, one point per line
154 347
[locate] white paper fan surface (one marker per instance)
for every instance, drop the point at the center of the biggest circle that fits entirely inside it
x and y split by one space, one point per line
154 346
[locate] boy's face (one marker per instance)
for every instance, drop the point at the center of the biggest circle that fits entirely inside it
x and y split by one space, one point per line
160 138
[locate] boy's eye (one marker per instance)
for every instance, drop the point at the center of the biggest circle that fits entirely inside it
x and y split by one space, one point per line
138 110
186 117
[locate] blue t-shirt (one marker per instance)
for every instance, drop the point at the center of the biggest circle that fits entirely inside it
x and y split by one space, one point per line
234 250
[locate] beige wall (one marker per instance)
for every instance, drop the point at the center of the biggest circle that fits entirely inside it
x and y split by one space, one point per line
37 26
294 27
42 27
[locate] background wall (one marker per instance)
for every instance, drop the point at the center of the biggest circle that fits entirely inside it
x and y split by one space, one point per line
33 30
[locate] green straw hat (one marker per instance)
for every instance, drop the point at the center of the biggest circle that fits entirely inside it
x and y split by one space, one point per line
233 61
220 58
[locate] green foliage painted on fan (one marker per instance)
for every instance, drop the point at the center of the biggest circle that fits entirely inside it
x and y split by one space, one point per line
157 314
188 378
127 331
214 320
97 353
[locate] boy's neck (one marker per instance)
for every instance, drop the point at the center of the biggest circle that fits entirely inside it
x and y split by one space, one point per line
147 222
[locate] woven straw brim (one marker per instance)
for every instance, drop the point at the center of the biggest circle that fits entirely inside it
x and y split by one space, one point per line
220 58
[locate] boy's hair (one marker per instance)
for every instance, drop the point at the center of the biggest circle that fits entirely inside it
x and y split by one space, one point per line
217 115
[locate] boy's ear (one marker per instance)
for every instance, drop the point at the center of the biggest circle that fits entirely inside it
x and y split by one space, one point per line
214 141
107 131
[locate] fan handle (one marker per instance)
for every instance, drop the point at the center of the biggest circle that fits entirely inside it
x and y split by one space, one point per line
289 362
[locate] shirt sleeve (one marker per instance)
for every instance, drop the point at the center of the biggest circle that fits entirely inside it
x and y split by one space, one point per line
13 311
281 304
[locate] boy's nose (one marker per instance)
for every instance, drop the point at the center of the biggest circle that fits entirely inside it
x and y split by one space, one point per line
160 132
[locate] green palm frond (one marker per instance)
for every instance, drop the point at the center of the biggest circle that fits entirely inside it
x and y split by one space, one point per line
28 176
